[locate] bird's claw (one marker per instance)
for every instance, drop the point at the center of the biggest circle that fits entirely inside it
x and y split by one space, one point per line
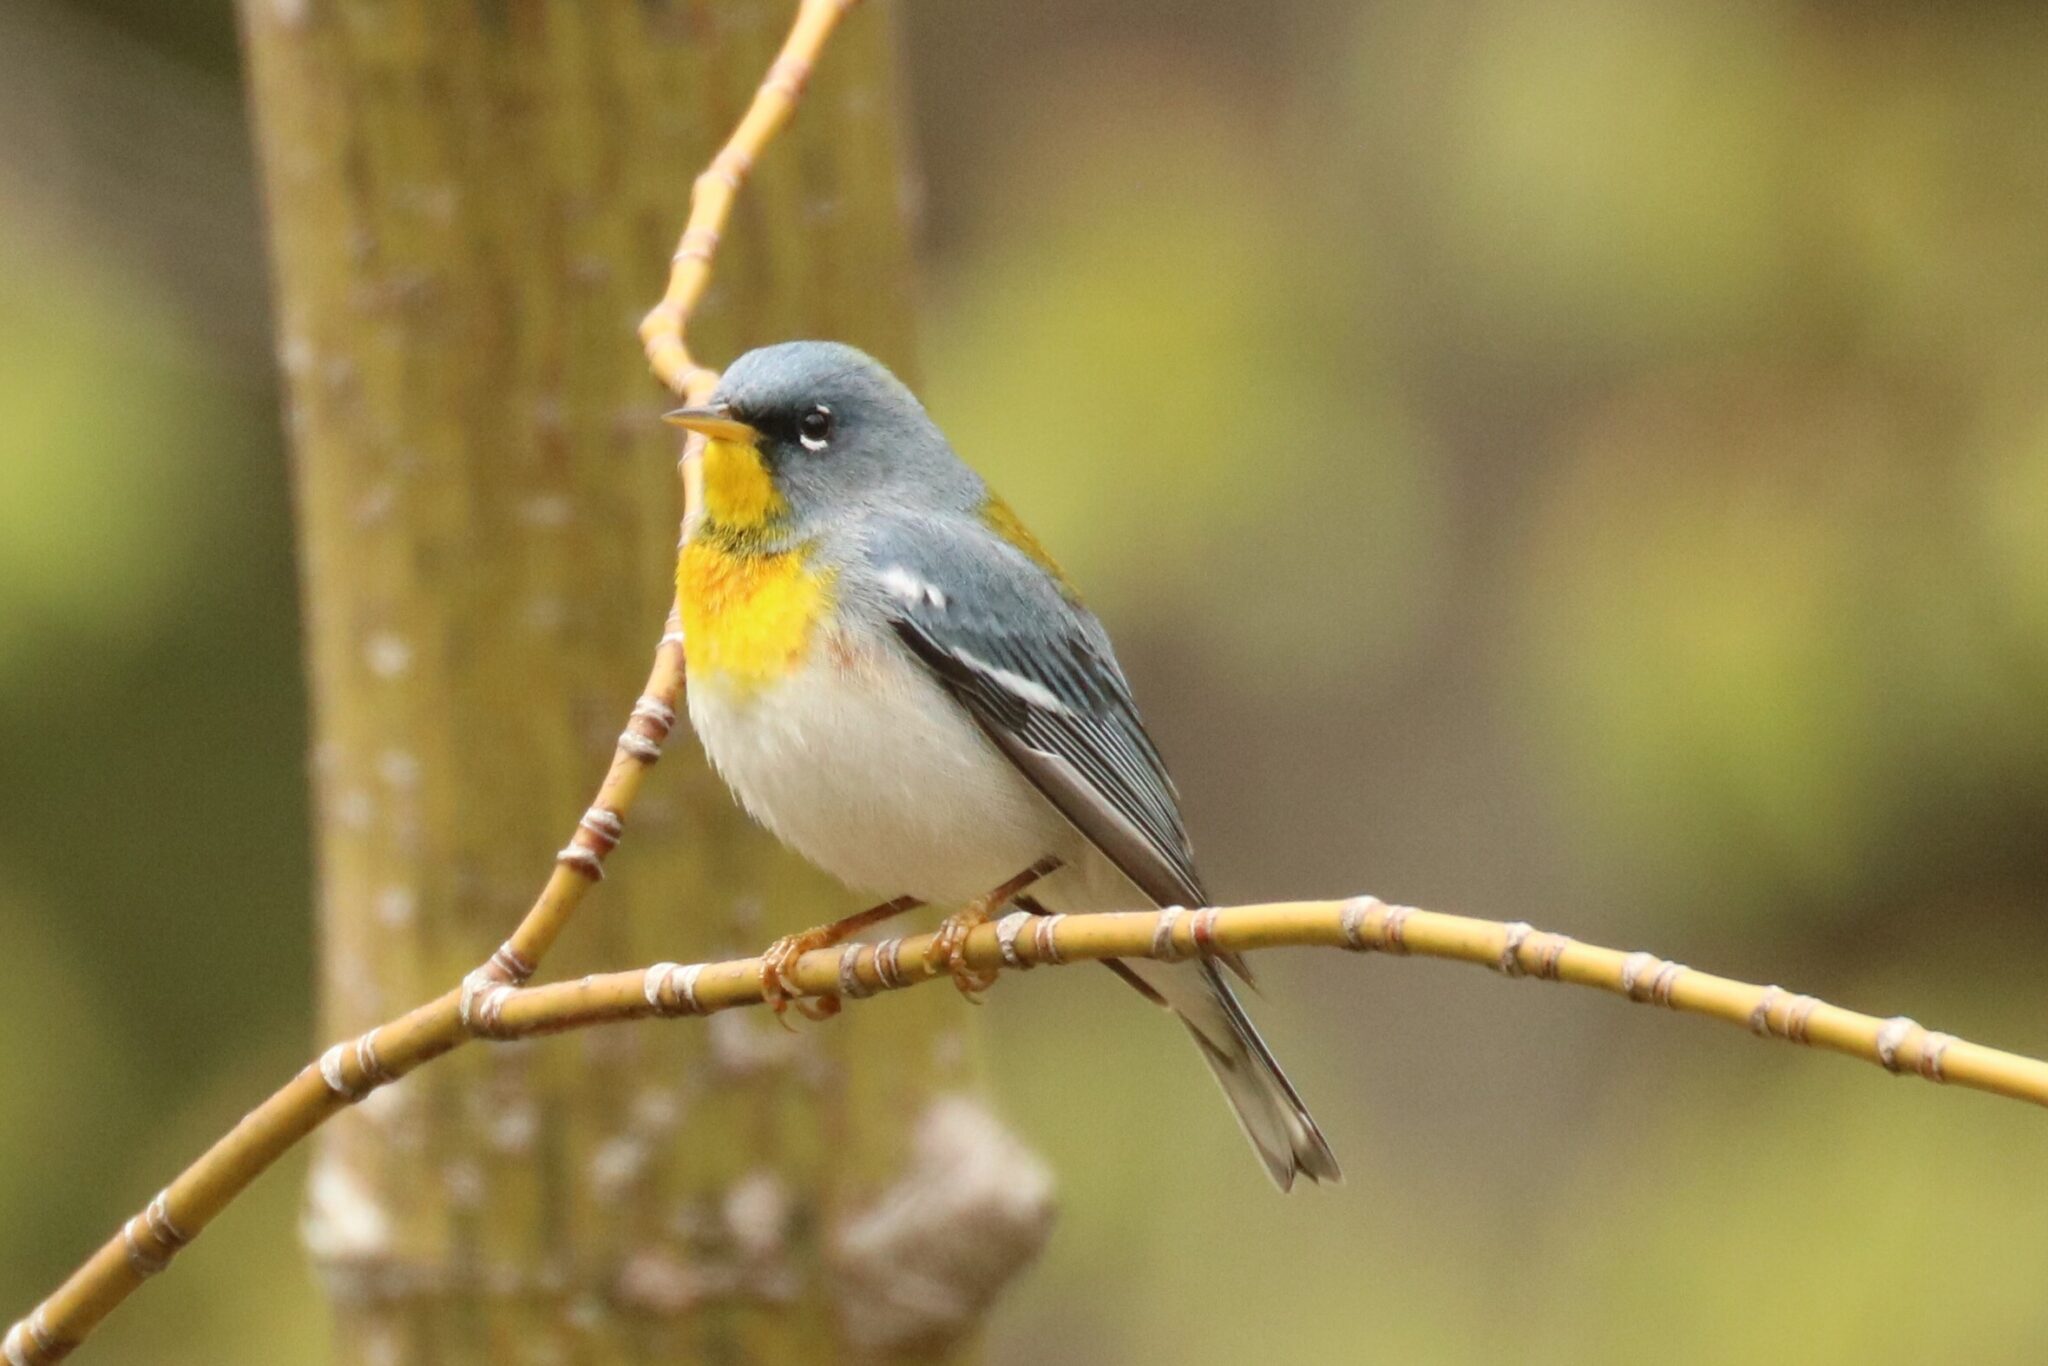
777 966
949 943
949 950
816 1009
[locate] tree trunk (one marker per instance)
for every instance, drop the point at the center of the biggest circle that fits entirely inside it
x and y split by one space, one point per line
471 204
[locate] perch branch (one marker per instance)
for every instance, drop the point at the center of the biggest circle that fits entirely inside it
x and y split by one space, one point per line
147 1242
1363 923
351 1070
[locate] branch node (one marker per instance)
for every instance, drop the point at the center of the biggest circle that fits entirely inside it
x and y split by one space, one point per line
582 860
789 75
1045 938
1798 1014
640 747
698 244
370 1070
1351 920
30 1342
1663 975
1371 924
1165 947
484 994
1933 1049
604 826
889 963
1007 930
507 964
336 1077
158 1217
1889 1036
732 165
671 988
659 715
1760 1017
650 985
369 1063
1633 967
146 1261
850 985
472 983
1510 963
1799 1017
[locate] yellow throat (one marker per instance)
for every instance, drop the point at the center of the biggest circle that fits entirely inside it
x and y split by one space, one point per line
748 614
739 493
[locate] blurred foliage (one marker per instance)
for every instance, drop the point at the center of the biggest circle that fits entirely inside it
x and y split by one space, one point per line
1637 152
1567 460
1129 341
86 548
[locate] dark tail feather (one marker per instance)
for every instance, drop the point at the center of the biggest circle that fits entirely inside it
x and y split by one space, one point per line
1268 1108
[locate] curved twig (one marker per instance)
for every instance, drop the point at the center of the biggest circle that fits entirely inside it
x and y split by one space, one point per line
353 1069
663 332
1513 949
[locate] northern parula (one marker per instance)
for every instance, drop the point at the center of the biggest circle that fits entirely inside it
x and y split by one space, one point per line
896 679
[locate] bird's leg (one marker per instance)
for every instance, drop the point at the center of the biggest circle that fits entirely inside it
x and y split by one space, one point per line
949 944
780 959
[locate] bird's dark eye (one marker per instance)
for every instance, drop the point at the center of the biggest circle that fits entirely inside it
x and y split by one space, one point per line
814 428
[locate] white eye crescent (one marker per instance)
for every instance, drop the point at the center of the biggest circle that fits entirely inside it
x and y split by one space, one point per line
814 428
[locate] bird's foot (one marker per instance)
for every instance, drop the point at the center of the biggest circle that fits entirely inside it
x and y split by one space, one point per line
949 948
778 964
949 943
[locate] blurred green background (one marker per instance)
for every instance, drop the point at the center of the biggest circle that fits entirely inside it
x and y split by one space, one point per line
1570 460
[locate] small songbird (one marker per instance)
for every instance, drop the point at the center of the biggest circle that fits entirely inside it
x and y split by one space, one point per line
897 680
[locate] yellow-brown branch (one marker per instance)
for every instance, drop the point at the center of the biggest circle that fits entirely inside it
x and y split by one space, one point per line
1365 923
351 1070
663 331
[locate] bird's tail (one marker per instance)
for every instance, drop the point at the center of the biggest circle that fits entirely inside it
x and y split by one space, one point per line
1280 1128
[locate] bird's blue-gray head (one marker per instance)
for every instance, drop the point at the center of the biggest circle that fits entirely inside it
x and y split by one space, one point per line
804 431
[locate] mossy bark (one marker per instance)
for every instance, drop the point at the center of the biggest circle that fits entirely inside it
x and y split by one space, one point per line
470 206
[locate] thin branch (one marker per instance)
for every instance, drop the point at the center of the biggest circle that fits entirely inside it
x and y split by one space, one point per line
715 191
346 1073
712 195
349 1071
1363 923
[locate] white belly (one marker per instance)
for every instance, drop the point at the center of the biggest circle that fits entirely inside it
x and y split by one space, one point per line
864 765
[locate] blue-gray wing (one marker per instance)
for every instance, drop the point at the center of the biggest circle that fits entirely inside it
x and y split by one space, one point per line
1036 671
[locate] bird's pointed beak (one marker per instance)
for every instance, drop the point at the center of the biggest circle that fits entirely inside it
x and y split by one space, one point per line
714 420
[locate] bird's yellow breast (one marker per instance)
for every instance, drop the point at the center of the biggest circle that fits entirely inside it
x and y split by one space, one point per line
747 618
